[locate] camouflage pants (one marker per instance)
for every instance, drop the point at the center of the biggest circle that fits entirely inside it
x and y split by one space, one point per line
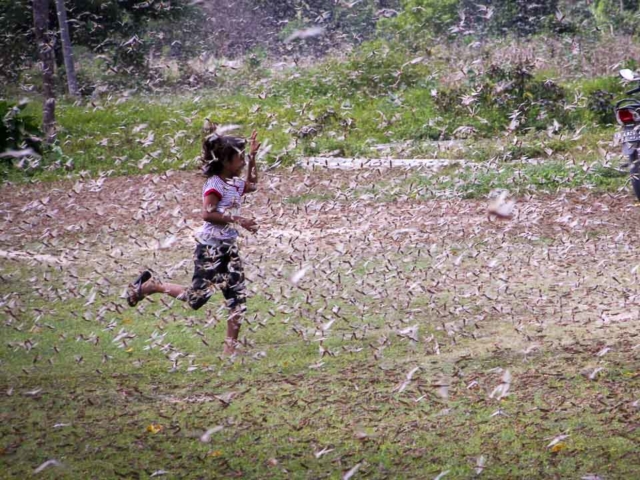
217 266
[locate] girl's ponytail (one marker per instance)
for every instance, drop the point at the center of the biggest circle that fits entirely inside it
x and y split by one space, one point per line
210 166
217 149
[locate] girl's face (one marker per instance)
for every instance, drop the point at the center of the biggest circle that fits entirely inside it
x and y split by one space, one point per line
237 164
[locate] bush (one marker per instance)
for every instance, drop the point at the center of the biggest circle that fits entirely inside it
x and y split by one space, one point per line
17 129
599 103
619 14
374 69
422 20
504 97
600 95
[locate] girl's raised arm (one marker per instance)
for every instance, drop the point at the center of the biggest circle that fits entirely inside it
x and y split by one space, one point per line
252 170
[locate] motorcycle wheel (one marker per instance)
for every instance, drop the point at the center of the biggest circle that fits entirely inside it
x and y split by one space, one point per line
635 175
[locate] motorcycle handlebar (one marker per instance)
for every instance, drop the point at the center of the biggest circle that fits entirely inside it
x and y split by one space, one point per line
628 103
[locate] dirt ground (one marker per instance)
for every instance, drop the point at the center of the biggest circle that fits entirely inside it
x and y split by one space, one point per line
169 201
577 249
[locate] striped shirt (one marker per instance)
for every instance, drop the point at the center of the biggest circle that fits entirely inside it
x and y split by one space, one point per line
229 195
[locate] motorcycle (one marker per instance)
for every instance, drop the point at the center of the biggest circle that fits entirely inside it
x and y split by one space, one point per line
628 116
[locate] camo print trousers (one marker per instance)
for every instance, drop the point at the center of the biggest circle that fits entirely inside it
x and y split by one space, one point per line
217 267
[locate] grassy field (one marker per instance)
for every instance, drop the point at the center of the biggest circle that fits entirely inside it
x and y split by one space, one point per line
425 339
154 135
395 328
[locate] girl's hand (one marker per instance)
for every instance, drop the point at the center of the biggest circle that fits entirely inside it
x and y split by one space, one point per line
255 145
252 169
248 224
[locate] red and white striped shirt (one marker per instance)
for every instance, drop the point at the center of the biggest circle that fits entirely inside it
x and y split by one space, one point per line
229 195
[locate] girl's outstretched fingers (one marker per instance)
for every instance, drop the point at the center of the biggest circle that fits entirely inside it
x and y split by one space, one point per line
255 145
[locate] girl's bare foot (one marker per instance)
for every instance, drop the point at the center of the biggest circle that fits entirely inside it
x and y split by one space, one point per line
134 290
145 285
230 345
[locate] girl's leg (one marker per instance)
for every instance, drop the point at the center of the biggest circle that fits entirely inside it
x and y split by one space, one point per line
234 322
196 295
154 286
235 294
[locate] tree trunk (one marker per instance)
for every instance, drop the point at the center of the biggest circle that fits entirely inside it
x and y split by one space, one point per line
44 41
67 51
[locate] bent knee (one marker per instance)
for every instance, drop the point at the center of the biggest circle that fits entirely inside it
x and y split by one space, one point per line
197 299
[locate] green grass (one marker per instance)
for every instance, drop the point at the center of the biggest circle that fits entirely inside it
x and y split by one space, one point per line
549 176
103 142
107 409
286 411
478 180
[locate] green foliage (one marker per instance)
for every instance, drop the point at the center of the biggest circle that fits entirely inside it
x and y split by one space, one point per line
374 69
375 97
420 20
16 38
504 97
97 21
600 104
622 15
383 98
17 128
519 17
102 25
600 94
520 178
356 20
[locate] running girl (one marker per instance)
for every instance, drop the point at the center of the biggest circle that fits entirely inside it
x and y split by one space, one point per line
217 259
